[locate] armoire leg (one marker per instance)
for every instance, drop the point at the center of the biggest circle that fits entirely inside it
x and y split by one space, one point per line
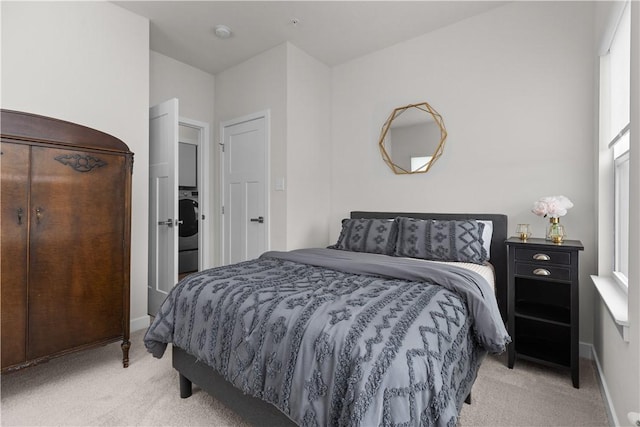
126 345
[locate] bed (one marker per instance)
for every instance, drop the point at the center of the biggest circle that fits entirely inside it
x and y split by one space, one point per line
388 326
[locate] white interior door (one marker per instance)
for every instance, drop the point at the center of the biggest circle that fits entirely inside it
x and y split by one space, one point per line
245 188
163 202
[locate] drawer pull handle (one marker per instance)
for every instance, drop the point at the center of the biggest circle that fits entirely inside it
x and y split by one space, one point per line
541 272
541 257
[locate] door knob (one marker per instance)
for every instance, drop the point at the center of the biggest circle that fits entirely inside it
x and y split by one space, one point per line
168 223
259 220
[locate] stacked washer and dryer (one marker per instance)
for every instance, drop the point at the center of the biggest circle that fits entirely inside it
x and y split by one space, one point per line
188 208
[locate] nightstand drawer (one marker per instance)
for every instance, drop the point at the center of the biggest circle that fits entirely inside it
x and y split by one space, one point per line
539 271
542 255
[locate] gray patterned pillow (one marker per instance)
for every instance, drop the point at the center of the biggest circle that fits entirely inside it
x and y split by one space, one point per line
376 236
441 240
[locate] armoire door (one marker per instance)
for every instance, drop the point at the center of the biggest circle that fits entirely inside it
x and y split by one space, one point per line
76 249
14 221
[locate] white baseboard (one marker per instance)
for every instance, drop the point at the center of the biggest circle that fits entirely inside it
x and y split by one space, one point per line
604 390
139 323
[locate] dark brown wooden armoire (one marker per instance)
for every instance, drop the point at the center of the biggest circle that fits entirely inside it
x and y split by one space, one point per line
66 227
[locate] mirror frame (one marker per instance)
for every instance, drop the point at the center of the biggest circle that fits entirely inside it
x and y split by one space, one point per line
424 106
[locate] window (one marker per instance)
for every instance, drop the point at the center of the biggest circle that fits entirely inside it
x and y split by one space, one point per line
616 81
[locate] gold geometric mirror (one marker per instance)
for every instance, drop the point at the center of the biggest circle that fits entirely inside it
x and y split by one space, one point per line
412 139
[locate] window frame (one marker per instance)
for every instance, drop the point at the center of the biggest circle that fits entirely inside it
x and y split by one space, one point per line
616 110
621 255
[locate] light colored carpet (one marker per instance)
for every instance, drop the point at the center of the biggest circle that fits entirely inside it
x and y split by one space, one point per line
533 395
92 389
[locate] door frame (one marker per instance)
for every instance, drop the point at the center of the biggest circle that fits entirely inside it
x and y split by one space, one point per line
203 163
266 114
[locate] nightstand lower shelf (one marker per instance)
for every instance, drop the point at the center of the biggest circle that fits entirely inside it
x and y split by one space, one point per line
543 341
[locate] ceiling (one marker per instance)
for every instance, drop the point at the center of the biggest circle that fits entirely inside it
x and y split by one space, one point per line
331 31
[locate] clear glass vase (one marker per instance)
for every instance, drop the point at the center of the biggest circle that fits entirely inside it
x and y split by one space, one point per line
555 231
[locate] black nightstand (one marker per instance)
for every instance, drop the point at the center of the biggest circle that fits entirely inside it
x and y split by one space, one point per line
543 302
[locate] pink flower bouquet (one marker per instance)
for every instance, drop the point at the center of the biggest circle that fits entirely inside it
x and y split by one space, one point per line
552 206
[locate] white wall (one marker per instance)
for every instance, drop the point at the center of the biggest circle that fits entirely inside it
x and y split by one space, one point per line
169 78
515 87
308 150
195 90
86 63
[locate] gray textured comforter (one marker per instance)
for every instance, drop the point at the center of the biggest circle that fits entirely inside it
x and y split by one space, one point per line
338 338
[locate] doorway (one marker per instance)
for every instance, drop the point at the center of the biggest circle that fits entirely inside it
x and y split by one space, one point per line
193 177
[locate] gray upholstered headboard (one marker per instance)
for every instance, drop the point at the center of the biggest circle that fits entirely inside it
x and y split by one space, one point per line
498 247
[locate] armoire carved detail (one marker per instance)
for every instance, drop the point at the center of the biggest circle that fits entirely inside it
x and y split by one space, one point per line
81 163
